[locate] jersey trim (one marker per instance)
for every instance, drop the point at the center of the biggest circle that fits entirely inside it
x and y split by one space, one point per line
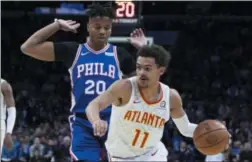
76 57
72 94
97 52
117 62
151 102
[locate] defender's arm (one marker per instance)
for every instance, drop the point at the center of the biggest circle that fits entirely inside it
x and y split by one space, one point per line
36 46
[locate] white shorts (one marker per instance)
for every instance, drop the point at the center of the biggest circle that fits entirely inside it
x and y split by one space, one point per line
160 153
2 135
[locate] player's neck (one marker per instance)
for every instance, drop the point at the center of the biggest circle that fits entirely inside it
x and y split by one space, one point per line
152 93
96 46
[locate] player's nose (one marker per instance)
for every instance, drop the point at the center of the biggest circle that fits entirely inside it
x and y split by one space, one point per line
102 31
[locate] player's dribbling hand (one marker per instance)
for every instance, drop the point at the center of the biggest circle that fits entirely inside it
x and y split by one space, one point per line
100 127
68 25
8 141
137 38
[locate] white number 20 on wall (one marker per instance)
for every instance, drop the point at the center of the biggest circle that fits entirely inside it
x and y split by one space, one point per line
95 87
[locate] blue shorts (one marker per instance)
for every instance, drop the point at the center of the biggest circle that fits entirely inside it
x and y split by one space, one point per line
84 145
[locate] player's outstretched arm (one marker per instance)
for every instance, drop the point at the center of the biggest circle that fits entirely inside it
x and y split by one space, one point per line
36 46
179 116
11 109
118 94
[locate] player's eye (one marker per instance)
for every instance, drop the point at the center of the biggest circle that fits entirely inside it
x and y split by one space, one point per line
147 69
97 27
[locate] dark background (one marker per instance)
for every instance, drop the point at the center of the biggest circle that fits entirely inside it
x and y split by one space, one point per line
210 43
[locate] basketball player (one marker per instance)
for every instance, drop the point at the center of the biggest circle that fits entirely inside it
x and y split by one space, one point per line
93 67
7 101
141 106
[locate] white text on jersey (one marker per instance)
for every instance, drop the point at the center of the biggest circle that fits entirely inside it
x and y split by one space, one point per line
90 69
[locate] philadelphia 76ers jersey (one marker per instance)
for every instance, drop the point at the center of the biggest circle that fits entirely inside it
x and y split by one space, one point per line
92 72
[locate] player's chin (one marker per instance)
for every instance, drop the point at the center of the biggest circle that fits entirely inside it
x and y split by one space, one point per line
143 83
102 40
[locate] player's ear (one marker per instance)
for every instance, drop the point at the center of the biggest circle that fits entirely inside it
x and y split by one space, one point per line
88 26
161 70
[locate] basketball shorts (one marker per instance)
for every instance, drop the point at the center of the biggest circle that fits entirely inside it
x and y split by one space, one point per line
84 145
159 153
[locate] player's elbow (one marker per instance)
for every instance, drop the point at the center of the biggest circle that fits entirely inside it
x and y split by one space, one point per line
24 48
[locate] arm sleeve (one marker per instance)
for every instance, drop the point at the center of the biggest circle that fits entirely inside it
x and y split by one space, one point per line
126 60
65 52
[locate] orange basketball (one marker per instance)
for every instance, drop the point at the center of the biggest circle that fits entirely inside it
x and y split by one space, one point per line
211 137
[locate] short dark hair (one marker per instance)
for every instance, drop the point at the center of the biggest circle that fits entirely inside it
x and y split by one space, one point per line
97 9
162 56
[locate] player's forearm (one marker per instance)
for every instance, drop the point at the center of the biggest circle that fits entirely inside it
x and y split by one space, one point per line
11 119
184 126
42 35
93 111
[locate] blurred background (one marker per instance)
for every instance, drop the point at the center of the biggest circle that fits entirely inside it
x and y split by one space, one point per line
211 47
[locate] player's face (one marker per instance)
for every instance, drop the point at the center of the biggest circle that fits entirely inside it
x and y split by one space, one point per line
99 29
148 72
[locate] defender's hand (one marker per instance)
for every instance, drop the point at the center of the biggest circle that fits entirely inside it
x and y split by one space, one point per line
137 38
68 25
8 141
100 127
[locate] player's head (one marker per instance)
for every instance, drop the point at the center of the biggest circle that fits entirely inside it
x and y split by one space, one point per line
151 64
100 22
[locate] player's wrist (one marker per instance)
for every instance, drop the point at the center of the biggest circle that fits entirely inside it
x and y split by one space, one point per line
95 120
57 24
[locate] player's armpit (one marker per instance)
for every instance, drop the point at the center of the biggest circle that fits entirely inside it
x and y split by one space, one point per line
126 61
8 94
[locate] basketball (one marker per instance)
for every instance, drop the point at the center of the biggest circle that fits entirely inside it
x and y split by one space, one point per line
211 137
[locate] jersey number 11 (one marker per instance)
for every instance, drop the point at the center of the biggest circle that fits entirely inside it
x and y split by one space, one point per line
136 137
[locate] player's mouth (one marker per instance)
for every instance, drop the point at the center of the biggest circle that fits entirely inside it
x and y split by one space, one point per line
101 38
143 79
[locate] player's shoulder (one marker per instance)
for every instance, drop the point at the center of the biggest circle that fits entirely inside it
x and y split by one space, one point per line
5 85
124 83
174 93
175 98
3 80
70 43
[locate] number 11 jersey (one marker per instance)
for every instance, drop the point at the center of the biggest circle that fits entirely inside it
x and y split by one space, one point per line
137 127
91 73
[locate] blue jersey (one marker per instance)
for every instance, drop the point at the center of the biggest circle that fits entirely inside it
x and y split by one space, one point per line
92 72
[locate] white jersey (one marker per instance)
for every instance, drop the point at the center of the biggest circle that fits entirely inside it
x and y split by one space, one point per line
2 104
137 127
2 118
